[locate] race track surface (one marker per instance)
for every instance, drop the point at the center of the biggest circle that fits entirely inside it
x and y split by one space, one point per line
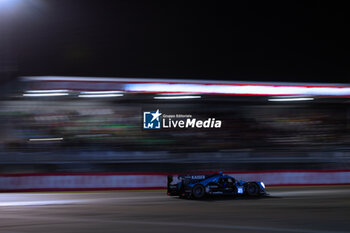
309 210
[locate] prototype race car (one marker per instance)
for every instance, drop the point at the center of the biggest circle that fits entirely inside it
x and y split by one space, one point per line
198 186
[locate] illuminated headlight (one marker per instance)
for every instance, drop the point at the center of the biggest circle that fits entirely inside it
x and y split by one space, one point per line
262 184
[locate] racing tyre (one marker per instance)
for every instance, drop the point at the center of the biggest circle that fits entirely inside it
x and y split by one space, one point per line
252 189
198 191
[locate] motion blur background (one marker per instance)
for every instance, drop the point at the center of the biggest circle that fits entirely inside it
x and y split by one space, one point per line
64 126
278 43
77 75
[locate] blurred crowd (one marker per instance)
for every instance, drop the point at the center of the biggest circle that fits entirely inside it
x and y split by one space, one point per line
46 125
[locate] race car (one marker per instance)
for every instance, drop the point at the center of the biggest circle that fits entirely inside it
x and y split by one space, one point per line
198 186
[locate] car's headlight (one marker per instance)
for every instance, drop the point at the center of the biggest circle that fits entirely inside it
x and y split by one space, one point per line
262 184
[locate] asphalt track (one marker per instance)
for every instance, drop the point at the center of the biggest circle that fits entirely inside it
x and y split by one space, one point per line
299 209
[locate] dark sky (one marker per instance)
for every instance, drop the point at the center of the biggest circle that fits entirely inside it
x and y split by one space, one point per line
279 41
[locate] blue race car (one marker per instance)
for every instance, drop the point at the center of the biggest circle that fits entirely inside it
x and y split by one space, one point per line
198 186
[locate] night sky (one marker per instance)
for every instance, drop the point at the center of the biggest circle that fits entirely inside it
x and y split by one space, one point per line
279 41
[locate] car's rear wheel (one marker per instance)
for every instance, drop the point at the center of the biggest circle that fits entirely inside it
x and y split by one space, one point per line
198 191
252 189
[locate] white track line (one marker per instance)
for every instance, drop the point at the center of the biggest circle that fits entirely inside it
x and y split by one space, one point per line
38 203
75 201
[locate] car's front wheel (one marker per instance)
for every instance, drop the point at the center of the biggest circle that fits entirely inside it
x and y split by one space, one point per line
252 189
198 191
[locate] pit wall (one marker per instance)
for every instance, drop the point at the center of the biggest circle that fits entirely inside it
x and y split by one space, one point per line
148 181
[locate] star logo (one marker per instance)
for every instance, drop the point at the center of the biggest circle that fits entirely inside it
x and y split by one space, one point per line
156 115
151 120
